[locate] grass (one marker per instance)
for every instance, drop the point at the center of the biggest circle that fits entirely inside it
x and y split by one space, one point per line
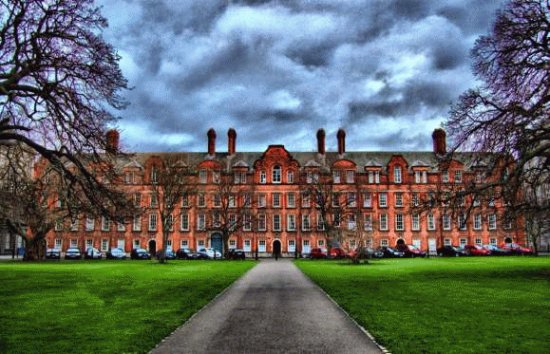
449 305
103 306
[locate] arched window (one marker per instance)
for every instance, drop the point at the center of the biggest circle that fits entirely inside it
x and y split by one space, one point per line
262 177
276 174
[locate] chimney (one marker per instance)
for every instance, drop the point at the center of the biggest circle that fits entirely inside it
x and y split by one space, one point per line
439 141
341 135
112 138
321 141
211 141
231 141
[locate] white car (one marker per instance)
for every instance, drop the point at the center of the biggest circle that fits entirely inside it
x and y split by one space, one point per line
210 252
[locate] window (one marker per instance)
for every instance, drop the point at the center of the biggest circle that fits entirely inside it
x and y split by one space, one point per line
216 177
152 222
336 219
217 200
431 222
170 222
417 176
247 200
276 200
58 225
424 177
232 222
397 174
447 242
335 200
477 241
367 200
291 246
201 222
185 200
312 177
136 223
491 202
261 222
415 199
399 222
290 177
476 202
89 223
276 222
276 174
416 222
445 176
306 200
73 242
462 241
477 222
398 199
263 177
120 225
154 201
350 176
247 222
232 201
261 246
351 199
74 225
200 243
321 243
446 222
458 176
384 242
493 241
232 244
201 200
383 222
374 177
154 175
58 244
89 243
184 243
129 177
104 244
247 246
262 201
336 176
320 222
462 221
290 200
367 222
291 222
203 176
492 220
352 222
306 225
184 226
382 200
105 224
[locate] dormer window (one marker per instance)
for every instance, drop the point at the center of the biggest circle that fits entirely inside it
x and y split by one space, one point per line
374 177
262 177
216 177
290 177
397 174
202 176
154 175
276 174
350 176
458 176
129 177
336 176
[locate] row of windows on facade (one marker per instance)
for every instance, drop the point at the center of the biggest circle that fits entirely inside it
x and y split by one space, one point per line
350 222
337 200
338 176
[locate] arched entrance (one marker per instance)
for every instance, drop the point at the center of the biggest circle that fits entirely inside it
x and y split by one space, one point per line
216 242
276 247
153 247
400 242
508 240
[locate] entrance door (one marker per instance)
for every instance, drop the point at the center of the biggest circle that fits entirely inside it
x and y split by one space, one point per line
400 242
153 247
305 246
276 247
216 242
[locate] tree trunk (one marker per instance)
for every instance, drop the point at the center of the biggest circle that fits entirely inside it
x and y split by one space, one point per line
35 249
225 245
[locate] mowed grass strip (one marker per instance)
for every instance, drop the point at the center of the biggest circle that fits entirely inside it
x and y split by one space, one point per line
103 306
445 305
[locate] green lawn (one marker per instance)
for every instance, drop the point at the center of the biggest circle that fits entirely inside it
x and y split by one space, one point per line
103 306
449 305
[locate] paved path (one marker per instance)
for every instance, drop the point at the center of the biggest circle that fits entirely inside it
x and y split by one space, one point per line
274 308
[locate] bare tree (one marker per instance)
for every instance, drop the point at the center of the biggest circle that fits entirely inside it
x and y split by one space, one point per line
59 82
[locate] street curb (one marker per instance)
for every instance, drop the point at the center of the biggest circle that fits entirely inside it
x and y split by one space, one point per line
201 309
367 333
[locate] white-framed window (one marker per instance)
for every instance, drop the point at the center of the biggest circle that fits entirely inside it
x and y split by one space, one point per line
447 242
89 243
352 244
154 202
90 223
232 244
291 222
184 243
492 221
201 243
217 202
276 174
232 201
104 244
185 200
58 225
320 223
136 223
239 177
397 174
350 176
493 241
352 222
384 242
306 200
247 245
105 223
153 222
458 176
247 222
58 244
201 221
351 199
261 246
137 199
431 222
290 200
121 226
203 176
335 199
74 225
462 222
382 200
367 200
262 200
374 177
416 222
321 243
261 222
398 199
216 177
291 246
477 241
445 176
383 222
73 242
154 175
462 241
415 199
276 222
336 176
306 224
312 177
170 222
399 225
247 200
367 223
263 177
135 244
417 177
476 202
201 200
129 177
446 221
276 200
290 177
477 222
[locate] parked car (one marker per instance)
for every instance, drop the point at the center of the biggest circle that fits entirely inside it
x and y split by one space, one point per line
317 253
337 253
476 250
185 253
116 253
410 251
210 253
73 253
450 251
93 253
517 249
365 253
236 253
389 252
498 251
53 253
139 253
169 254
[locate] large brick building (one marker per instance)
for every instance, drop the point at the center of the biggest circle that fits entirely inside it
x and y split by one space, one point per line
381 194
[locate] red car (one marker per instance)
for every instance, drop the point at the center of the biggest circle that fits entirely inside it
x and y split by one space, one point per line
317 253
476 250
410 251
337 253
517 249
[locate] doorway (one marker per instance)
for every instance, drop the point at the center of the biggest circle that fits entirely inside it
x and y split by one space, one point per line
400 242
153 247
216 242
276 248
508 240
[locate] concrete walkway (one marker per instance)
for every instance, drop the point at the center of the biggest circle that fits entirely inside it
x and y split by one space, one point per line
274 308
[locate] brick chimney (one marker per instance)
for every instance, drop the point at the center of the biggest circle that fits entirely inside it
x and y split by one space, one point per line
439 141
211 141
341 135
321 141
231 141
112 138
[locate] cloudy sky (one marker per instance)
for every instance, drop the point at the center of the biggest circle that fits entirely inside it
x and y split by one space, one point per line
278 70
